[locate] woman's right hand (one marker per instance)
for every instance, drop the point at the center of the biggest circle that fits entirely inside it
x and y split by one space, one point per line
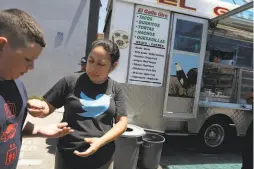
37 108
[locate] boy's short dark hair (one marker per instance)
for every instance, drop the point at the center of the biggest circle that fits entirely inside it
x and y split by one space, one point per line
20 28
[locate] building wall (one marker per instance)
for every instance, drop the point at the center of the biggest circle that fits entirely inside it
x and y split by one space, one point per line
65 24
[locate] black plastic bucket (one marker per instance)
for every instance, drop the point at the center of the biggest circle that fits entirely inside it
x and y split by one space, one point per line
150 151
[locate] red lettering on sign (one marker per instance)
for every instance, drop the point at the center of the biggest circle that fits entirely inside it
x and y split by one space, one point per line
179 3
220 10
150 12
182 5
140 10
163 15
168 2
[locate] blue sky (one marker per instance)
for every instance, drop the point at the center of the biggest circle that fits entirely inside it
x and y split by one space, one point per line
186 63
246 14
238 2
102 14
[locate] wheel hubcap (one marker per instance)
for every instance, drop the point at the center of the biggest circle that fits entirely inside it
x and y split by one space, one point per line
214 135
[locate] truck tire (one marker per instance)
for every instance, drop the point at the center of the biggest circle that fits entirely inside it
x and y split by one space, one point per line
213 136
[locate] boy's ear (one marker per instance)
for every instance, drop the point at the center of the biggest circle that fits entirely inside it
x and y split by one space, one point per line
3 41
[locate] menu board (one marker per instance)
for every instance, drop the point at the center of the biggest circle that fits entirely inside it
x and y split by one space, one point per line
148 46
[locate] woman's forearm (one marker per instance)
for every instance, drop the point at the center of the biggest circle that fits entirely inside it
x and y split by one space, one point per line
117 130
48 109
39 108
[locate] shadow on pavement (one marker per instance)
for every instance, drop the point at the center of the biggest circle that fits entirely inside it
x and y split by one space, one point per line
181 152
52 145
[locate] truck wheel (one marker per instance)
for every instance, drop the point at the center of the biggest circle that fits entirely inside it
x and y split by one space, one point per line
213 136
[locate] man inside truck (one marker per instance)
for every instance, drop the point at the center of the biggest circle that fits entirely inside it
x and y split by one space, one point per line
247 154
21 42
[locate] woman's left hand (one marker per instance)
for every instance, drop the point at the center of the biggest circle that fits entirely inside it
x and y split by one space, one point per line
95 144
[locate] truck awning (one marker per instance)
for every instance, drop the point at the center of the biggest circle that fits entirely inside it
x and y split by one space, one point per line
235 23
234 19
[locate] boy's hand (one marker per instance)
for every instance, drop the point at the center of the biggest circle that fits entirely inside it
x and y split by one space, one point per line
54 130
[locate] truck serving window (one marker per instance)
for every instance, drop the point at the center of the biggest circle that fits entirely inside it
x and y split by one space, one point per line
227 72
229 51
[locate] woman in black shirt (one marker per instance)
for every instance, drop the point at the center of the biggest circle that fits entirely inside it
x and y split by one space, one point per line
93 103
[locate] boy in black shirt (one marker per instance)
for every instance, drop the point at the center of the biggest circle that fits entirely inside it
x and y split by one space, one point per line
21 42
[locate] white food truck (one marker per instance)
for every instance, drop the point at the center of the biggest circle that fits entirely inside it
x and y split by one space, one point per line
185 65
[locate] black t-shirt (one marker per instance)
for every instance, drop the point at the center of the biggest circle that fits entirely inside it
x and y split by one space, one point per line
90 110
12 116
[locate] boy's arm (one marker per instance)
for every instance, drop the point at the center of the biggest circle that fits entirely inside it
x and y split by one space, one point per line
50 131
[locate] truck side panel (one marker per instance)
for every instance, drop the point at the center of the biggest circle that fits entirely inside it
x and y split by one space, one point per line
240 118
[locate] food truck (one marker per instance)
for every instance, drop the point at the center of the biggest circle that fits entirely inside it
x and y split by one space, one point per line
185 66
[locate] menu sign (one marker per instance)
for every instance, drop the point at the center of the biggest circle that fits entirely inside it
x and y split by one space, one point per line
148 46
